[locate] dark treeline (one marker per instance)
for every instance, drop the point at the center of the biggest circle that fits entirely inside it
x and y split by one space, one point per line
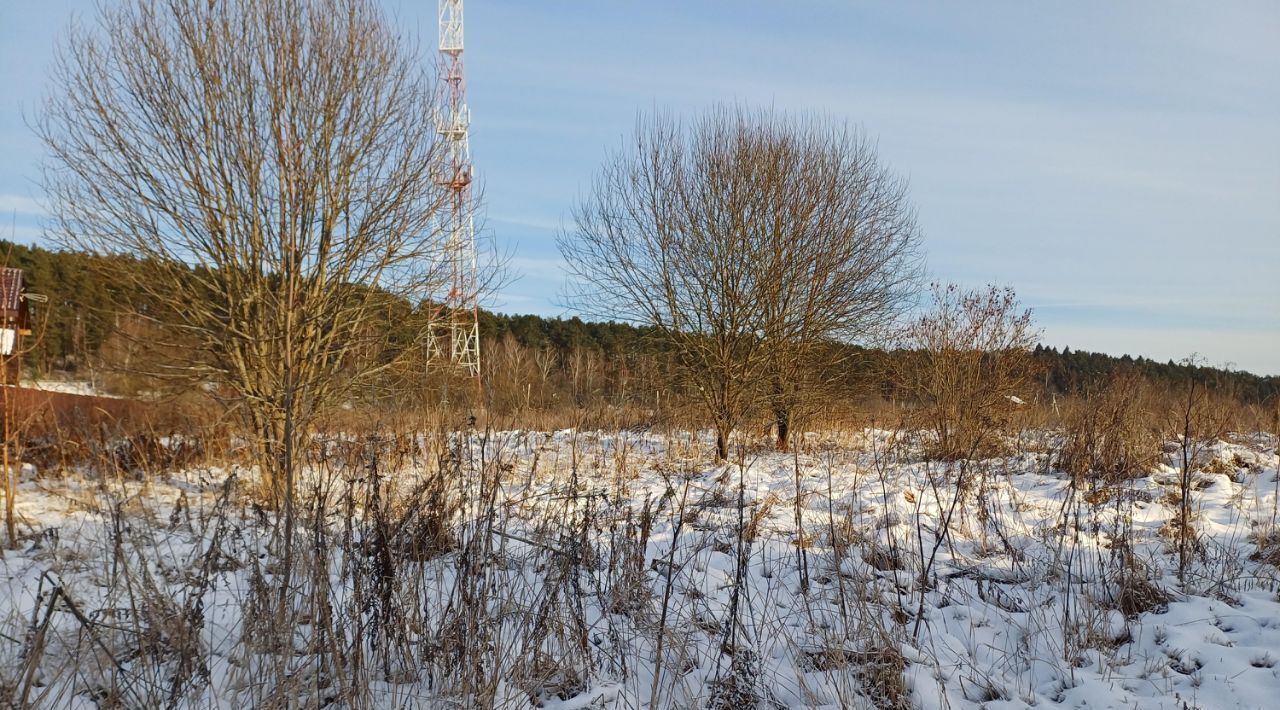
1066 372
1077 371
79 321
565 335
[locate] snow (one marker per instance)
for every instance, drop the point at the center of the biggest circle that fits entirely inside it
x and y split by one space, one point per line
1021 606
65 387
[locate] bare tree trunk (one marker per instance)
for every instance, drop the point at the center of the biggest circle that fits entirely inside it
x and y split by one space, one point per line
782 425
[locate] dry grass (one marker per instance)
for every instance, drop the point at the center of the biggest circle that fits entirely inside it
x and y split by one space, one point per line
1113 434
390 519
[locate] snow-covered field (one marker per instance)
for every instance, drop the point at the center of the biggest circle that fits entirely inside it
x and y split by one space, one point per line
601 570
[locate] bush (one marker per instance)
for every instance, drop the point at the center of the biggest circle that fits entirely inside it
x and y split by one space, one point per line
971 368
1112 434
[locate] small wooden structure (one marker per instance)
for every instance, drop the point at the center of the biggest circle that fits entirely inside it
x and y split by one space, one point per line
15 312
15 322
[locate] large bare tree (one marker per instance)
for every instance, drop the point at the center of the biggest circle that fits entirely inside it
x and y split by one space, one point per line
274 166
752 241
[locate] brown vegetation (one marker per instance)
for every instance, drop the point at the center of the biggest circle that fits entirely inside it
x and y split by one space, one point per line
751 242
970 369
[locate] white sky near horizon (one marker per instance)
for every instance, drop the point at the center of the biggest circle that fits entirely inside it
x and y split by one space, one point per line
1117 163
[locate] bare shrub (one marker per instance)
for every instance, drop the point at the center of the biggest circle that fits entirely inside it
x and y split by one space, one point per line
971 366
1266 543
1199 420
1136 590
1112 434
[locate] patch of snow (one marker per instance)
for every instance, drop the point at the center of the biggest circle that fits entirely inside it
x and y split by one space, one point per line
1020 605
65 387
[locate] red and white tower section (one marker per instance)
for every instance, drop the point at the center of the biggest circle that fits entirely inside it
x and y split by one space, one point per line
461 308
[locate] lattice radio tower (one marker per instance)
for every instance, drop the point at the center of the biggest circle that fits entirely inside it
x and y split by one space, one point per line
461 307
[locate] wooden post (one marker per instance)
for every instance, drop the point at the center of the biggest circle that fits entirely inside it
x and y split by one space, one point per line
10 484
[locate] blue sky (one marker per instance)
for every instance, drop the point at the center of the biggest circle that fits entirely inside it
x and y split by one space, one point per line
1116 163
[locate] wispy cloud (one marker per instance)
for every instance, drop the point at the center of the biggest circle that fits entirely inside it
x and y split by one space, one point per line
539 222
19 204
550 267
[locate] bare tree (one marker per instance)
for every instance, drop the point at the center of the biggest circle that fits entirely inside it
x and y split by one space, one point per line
750 240
274 166
845 264
970 366
508 375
